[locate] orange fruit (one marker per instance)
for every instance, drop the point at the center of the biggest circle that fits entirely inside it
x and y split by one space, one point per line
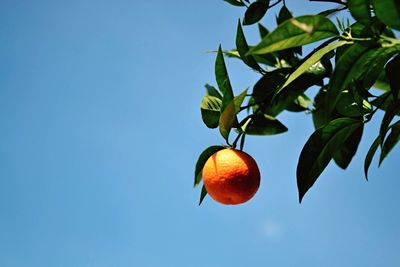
231 176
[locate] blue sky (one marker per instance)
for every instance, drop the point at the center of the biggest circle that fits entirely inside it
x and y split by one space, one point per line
100 131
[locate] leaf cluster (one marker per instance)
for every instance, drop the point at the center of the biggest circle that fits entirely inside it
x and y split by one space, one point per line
349 60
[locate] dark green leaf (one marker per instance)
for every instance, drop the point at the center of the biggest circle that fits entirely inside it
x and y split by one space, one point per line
243 48
203 194
255 12
262 30
393 74
346 153
319 150
388 11
318 114
387 118
266 87
285 97
351 104
351 66
235 2
301 103
212 91
284 15
360 10
370 155
221 75
384 101
211 110
204 156
264 125
390 142
228 116
296 32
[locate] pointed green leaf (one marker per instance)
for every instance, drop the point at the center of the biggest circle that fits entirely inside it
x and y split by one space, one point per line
388 11
370 155
296 32
221 75
212 91
387 118
243 48
204 156
393 74
262 30
360 10
319 150
391 141
264 125
255 12
346 153
203 194
228 116
284 15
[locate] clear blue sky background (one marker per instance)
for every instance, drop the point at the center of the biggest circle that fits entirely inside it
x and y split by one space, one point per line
100 131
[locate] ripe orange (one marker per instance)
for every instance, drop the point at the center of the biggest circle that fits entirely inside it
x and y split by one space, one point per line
231 176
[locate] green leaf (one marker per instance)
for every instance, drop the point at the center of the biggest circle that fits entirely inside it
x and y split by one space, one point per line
212 91
284 15
211 110
391 141
296 32
388 11
255 12
204 156
203 194
263 124
319 150
243 48
370 155
346 153
387 118
393 74
318 114
221 75
285 97
262 30
228 116
265 87
301 103
360 10
310 61
351 104
351 66
384 101
235 2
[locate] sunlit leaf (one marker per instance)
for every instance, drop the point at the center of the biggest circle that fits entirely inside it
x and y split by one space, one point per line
296 32
210 110
228 116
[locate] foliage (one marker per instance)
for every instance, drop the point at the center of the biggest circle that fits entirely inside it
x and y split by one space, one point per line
349 60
